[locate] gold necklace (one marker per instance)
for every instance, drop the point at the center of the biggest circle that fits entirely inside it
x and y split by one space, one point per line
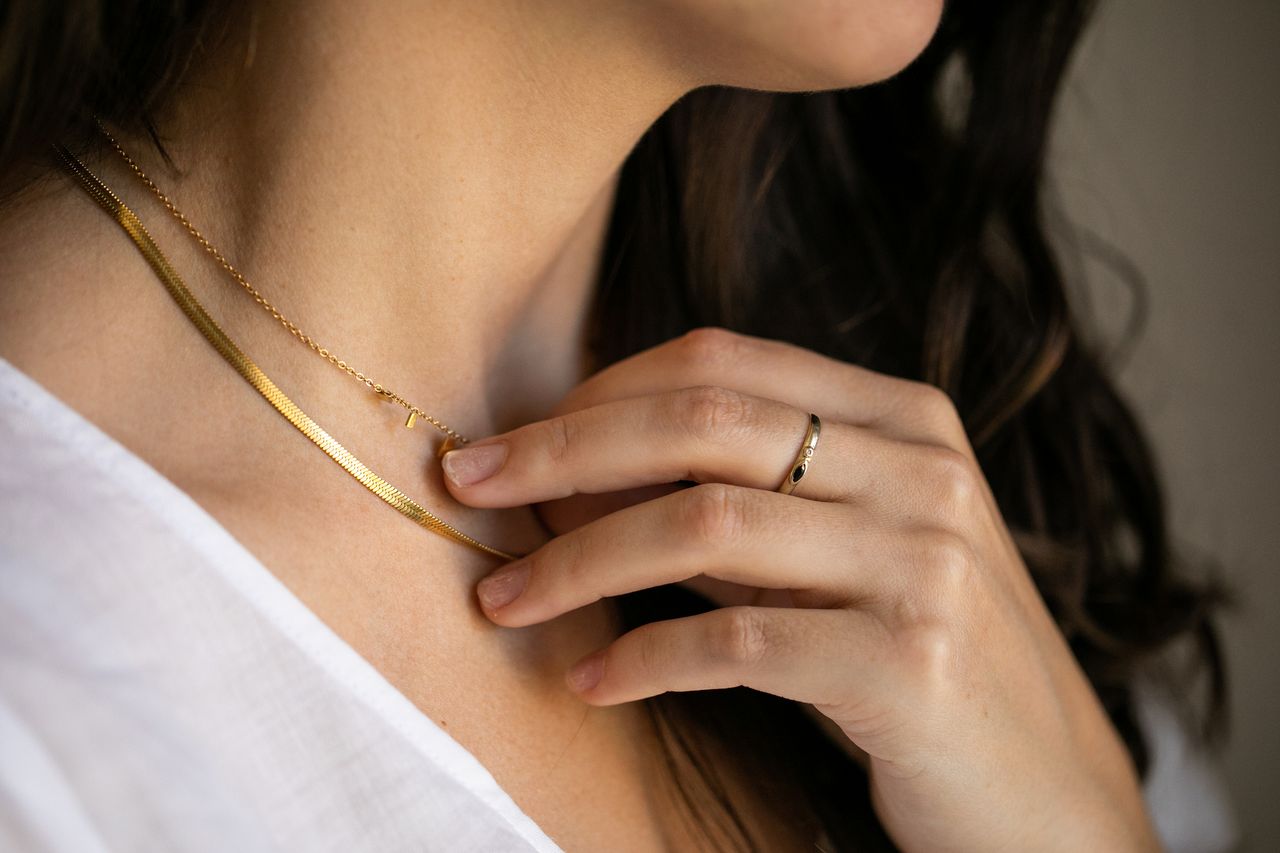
376 387
132 225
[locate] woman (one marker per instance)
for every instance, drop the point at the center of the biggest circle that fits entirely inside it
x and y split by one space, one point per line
645 255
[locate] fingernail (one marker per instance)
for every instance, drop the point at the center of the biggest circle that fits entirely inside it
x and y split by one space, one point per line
586 673
504 585
472 464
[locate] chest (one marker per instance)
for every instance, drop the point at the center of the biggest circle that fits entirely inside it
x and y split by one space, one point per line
593 778
403 598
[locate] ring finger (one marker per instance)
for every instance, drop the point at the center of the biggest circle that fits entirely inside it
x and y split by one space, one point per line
703 433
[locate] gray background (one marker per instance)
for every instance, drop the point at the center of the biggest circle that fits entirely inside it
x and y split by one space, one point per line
1168 146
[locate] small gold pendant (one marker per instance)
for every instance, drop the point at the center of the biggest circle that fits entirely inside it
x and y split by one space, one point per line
445 446
413 416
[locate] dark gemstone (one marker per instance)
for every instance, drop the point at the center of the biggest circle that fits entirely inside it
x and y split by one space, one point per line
798 472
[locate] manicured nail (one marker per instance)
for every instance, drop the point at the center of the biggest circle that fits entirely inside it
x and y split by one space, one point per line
504 585
586 673
470 465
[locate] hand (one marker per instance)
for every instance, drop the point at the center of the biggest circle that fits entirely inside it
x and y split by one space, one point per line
887 591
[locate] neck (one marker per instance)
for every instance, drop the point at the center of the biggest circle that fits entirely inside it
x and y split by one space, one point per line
424 190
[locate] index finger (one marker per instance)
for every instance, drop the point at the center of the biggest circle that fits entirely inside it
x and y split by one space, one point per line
904 409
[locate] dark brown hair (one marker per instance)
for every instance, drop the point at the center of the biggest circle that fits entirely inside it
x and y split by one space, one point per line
900 226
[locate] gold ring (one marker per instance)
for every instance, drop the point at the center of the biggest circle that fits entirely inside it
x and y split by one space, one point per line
801 465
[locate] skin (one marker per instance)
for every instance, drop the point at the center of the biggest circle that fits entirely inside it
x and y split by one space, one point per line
425 189
885 592
429 183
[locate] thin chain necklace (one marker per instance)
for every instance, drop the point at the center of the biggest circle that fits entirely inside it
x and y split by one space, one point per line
132 225
376 387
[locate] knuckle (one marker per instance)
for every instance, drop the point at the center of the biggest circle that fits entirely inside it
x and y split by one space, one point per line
568 555
711 412
933 408
935 403
930 654
954 478
650 653
710 344
740 638
559 438
716 512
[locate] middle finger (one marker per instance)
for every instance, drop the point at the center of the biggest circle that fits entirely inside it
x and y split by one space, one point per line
827 554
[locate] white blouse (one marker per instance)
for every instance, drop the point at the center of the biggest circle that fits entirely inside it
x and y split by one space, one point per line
161 690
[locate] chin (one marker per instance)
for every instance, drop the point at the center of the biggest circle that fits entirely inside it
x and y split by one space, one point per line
801 45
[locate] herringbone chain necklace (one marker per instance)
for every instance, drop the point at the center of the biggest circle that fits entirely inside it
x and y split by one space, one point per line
132 225
376 387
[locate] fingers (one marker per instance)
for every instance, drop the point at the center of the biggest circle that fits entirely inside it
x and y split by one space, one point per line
817 656
823 552
900 408
701 433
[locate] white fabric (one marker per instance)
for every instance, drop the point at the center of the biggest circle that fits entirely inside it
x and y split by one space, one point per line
161 690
